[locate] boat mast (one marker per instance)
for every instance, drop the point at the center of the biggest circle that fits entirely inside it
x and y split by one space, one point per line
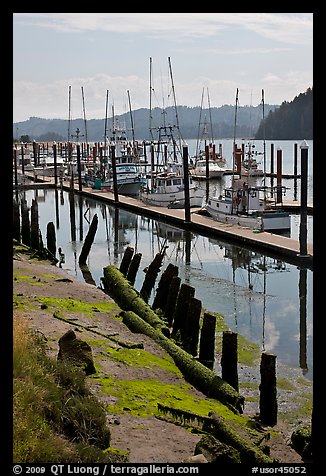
69 119
210 118
150 98
175 105
106 124
234 139
82 89
132 124
264 141
235 131
198 136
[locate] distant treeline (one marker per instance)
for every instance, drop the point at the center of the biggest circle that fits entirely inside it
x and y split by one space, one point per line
288 121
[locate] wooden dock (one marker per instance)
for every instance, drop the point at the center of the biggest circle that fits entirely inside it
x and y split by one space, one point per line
272 244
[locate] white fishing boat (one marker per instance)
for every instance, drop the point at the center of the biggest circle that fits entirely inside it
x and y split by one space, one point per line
215 171
246 205
167 189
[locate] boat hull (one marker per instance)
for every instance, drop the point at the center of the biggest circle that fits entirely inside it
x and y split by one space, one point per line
265 220
172 200
129 187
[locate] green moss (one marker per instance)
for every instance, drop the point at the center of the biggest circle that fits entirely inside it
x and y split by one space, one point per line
303 408
140 398
285 384
249 385
142 358
72 305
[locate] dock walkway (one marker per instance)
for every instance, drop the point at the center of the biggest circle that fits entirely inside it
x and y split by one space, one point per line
276 245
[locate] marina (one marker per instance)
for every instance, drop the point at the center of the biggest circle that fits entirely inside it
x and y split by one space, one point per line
257 293
261 282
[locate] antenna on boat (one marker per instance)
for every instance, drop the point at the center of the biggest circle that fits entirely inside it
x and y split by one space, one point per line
82 89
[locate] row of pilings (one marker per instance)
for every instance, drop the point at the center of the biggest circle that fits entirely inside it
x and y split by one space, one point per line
190 326
194 329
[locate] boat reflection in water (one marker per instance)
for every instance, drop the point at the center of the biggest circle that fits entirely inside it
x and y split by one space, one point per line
268 301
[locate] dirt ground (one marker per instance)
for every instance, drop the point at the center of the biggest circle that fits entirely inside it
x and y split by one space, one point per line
147 440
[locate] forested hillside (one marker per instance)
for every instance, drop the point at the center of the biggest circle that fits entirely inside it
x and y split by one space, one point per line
219 123
290 121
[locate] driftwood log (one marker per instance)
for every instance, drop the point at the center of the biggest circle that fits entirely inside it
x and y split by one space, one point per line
197 374
128 299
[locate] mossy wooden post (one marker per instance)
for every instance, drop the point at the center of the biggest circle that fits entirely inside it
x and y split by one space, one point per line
88 241
163 286
133 268
207 340
268 390
191 331
172 299
229 360
16 221
51 239
125 262
180 314
26 231
151 275
35 242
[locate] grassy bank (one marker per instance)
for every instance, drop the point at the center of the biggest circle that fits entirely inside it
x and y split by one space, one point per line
56 419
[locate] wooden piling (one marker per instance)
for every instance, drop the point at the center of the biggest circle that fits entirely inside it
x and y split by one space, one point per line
35 242
133 268
229 360
303 199
125 262
180 314
279 198
16 221
26 231
186 183
268 391
151 275
88 241
207 340
163 286
190 338
51 238
172 299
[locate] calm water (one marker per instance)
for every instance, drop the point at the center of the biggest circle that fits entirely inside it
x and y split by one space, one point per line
268 301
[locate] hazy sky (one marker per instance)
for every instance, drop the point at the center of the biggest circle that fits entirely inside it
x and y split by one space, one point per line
93 53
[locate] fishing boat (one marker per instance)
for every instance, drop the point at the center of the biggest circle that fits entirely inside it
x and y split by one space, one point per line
249 164
166 181
206 150
246 205
129 177
167 189
203 169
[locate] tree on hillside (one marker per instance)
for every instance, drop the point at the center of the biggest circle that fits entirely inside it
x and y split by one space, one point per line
292 120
